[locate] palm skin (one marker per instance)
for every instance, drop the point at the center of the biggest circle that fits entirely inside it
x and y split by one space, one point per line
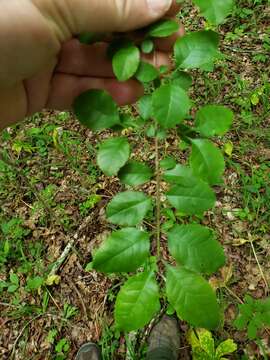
45 66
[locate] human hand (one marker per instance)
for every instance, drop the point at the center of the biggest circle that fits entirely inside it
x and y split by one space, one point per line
43 65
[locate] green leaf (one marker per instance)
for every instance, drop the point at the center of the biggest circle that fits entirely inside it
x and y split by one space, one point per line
147 46
126 62
192 297
137 302
123 251
167 163
145 107
163 28
192 198
34 283
14 279
96 110
252 329
128 208
90 38
12 288
215 11
170 105
225 348
182 79
214 120
112 155
146 72
135 173
196 50
207 161
202 343
195 247
180 174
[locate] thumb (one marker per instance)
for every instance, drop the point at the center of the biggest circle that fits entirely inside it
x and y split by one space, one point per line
112 15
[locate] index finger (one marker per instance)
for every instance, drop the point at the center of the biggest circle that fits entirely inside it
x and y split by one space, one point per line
174 9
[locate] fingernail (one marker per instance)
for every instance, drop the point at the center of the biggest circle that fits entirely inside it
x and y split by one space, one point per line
159 7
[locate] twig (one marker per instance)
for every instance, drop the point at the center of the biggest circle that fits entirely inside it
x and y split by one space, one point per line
53 316
242 50
260 268
74 239
81 299
62 257
158 203
7 305
21 333
234 295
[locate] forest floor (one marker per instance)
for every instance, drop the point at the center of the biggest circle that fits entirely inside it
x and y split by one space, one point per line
52 195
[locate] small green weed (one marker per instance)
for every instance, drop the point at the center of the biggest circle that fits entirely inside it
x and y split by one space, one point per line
203 346
254 315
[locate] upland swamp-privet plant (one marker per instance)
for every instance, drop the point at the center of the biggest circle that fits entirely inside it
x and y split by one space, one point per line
165 106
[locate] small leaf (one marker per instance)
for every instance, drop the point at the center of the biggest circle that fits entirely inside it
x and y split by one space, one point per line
213 120
147 46
254 99
192 297
183 79
225 348
96 110
194 247
89 266
146 72
196 50
128 208
90 38
151 131
14 279
12 288
135 173
34 283
137 302
145 107
112 155
163 69
202 344
163 28
126 62
252 329
228 148
180 174
168 163
123 251
207 161
192 198
170 105
215 11
53 279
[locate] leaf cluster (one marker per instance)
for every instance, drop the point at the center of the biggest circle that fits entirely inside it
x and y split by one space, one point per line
254 315
194 247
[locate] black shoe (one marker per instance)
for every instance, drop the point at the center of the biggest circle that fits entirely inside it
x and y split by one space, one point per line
164 340
89 351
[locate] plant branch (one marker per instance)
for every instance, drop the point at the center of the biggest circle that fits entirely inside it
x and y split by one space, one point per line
158 202
259 266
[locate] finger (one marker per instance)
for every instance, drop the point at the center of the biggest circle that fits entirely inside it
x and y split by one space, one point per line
174 9
65 88
162 44
92 60
107 15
